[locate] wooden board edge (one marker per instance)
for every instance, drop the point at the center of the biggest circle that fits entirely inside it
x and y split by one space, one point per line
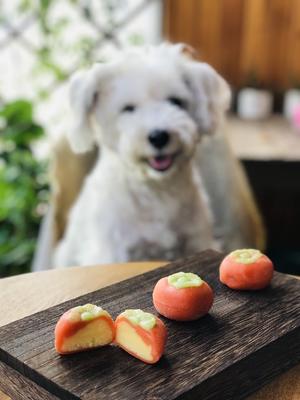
241 384
29 373
14 386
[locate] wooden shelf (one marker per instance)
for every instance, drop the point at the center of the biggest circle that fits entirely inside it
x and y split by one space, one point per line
270 140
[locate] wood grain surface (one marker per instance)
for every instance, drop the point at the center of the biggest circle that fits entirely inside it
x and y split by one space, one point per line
247 339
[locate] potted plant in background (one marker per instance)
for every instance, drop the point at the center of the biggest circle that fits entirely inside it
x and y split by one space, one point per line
254 102
291 99
23 186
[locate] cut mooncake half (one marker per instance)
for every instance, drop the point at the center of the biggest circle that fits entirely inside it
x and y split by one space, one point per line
83 328
141 334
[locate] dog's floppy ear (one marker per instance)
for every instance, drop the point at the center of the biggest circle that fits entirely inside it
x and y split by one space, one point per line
83 91
211 94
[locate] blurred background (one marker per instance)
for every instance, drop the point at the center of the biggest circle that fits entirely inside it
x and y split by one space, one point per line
254 44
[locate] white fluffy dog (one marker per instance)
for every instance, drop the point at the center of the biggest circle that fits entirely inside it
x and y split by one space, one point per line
145 198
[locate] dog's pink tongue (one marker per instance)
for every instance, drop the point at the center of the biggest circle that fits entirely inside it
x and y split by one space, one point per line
161 163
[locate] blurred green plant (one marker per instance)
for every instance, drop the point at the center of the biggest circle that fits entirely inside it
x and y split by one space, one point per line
60 49
23 187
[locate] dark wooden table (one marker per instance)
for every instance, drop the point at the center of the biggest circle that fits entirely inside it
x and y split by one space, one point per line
23 295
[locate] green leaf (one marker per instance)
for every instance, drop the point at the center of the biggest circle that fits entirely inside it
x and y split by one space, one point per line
18 125
22 133
17 111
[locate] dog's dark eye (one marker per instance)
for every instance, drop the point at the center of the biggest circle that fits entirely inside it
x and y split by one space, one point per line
128 108
177 102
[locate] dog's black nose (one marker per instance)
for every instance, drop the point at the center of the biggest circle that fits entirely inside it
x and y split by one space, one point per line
159 138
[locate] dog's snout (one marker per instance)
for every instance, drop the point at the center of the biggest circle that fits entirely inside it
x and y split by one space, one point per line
159 138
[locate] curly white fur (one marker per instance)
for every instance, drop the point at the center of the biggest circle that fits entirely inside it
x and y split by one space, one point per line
128 210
